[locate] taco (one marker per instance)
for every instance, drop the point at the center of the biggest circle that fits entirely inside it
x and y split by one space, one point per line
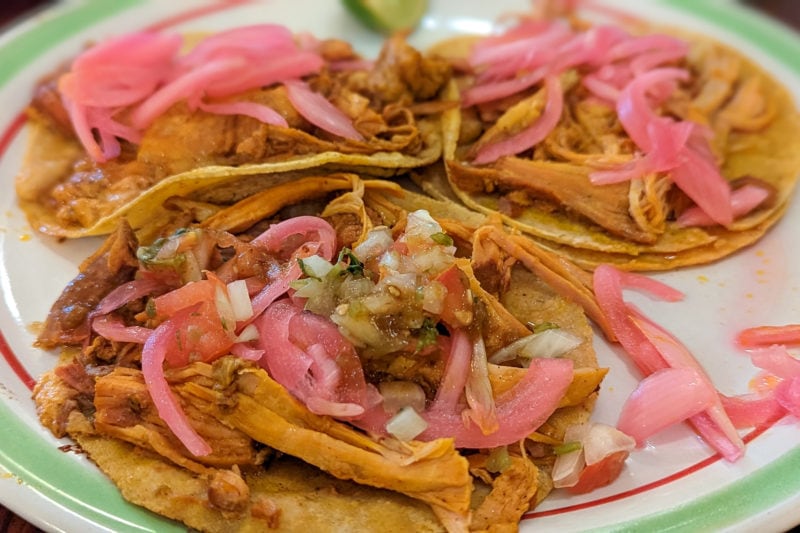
417 373
141 117
645 148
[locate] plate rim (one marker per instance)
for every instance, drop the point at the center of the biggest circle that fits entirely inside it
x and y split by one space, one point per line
773 38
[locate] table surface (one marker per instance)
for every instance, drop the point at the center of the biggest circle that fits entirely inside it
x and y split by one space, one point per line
787 11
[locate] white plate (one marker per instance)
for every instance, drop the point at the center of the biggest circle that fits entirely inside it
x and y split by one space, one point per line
674 482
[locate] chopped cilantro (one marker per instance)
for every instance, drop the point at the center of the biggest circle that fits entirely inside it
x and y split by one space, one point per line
442 238
427 334
354 266
567 447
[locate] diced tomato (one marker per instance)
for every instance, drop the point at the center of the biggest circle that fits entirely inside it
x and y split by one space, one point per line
199 336
190 294
600 473
457 309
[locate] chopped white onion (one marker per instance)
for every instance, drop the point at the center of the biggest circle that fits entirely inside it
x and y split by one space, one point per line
421 224
433 296
378 240
602 440
224 308
240 300
567 468
597 441
317 266
399 394
548 343
406 424
249 333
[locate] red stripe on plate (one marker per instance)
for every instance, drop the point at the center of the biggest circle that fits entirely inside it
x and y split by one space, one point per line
15 364
195 13
11 132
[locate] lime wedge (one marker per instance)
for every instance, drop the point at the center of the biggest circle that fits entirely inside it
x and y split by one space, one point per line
387 16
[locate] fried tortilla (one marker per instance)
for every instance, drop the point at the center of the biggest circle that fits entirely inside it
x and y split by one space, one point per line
393 103
285 460
547 191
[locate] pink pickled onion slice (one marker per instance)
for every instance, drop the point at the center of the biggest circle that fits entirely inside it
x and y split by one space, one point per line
705 426
532 135
456 372
286 363
633 108
767 335
272 291
316 109
123 70
777 361
743 201
636 46
601 89
339 367
113 329
668 140
245 41
288 66
80 123
752 410
306 354
478 392
277 236
244 351
170 411
257 111
714 425
520 410
191 83
652 348
787 394
128 292
662 399
527 53
701 180
608 285
136 49
488 92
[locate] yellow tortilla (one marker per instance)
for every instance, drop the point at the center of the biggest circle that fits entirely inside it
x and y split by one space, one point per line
771 154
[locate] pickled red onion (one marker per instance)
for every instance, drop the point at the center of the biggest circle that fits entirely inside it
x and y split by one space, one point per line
306 354
777 361
276 236
787 394
653 348
488 92
113 329
456 372
532 135
169 410
184 87
662 399
316 109
743 200
752 410
144 71
260 112
520 410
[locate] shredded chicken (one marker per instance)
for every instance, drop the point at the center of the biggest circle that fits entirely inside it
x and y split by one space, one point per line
264 410
513 492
